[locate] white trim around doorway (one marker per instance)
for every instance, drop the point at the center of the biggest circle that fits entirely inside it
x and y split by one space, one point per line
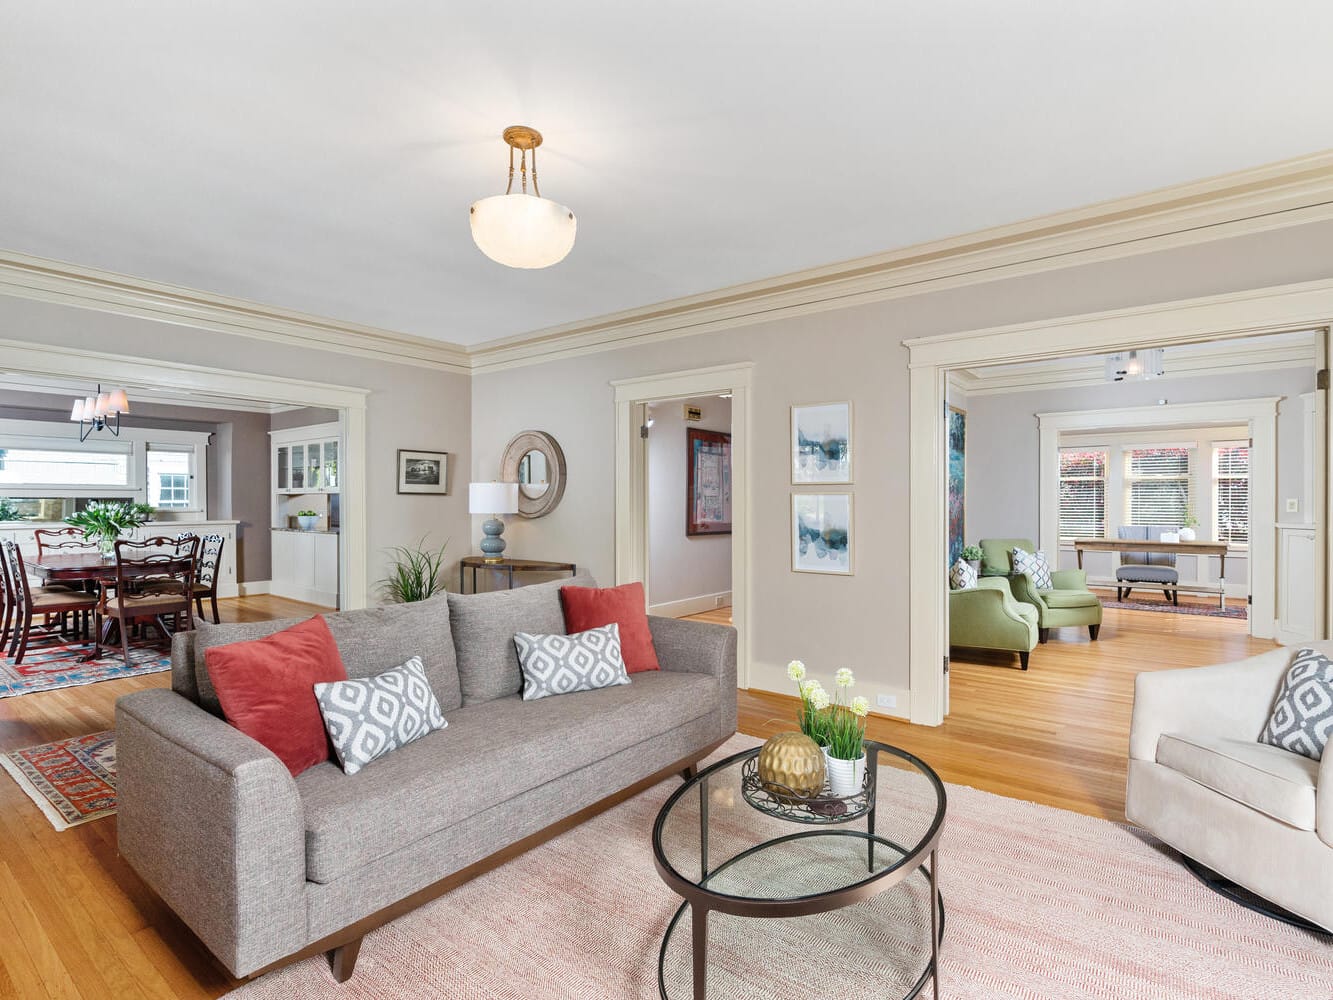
632 396
1286 308
42 361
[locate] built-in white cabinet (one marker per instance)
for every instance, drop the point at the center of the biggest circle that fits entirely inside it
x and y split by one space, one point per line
308 466
1297 602
305 566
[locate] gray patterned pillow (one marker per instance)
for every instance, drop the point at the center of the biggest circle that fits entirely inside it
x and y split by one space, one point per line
962 575
1302 719
1035 564
561 664
372 716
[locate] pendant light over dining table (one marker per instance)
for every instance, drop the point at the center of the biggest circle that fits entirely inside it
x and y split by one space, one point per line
519 229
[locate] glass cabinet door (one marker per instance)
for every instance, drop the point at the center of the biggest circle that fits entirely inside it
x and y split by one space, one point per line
298 467
330 480
284 467
312 479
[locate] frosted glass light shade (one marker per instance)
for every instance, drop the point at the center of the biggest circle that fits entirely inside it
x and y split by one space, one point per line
523 230
492 498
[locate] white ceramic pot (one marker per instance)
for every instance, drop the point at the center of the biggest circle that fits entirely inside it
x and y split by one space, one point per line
844 776
307 523
1187 534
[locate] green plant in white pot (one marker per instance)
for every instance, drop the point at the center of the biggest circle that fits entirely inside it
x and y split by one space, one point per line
845 734
1188 523
307 519
103 521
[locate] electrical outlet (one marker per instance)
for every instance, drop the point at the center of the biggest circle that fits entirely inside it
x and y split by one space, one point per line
886 701
1293 505
719 602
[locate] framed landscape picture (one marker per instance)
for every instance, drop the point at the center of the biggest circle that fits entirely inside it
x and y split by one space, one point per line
956 426
707 483
821 533
821 443
423 471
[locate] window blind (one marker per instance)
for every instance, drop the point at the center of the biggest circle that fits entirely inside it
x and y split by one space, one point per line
1231 491
1082 493
1157 485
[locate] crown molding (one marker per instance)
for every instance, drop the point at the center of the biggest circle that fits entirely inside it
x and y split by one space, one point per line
45 280
1185 361
1289 193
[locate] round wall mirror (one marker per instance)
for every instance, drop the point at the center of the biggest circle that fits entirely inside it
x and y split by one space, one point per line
534 461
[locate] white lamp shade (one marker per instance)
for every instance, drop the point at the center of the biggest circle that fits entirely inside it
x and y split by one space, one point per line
118 402
492 498
89 407
76 414
523 230
102 406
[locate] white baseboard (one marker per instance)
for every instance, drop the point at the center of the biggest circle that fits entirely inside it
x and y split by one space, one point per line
1288 637
252 587
691 605
307 594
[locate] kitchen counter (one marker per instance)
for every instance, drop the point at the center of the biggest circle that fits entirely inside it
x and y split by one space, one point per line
312 531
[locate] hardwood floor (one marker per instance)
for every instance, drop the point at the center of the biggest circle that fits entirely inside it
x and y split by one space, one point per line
76 922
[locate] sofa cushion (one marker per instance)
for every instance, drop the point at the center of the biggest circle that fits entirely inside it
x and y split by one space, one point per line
1274 782
490 753
1069 598
565 664
593 607
1147 574
484 626
1302 719
368 717
1033 564
370 640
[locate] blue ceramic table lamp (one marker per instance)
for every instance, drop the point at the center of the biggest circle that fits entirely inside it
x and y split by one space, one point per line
493 499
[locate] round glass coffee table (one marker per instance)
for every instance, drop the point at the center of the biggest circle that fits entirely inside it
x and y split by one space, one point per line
858 897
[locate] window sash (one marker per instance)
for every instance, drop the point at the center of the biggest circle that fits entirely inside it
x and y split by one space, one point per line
171 480
1158 484
50 463
1082 497
1231 491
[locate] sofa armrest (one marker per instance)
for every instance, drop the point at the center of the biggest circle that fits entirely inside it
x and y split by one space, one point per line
1228 700
1323 798
1069 579
700 648
213 822
1025 591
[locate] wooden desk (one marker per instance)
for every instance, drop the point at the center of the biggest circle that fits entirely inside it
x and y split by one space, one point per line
511 566
1218 549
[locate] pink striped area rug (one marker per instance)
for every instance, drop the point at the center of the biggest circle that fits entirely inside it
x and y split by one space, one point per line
1042 904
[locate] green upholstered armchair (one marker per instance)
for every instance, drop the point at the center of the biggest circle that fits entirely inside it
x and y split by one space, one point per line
988 617
1068 603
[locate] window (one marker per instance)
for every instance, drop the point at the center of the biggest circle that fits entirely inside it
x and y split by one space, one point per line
1157 485
1082 493
58 465
1231 491
171 477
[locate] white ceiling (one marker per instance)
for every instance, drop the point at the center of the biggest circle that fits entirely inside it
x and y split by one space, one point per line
322 157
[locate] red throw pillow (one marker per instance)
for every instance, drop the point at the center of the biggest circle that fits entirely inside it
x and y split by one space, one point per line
266 688
593 607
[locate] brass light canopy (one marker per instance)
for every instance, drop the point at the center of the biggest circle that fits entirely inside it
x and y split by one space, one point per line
519 229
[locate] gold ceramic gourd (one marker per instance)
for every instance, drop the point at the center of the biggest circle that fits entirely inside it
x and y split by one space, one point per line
793 761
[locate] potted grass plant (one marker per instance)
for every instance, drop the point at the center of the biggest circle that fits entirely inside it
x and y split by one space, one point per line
415 573
844 728
104 521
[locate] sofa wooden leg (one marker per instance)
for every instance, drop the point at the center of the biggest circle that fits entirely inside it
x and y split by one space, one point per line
342 960
1093 630
1043 634
1023 655
689 773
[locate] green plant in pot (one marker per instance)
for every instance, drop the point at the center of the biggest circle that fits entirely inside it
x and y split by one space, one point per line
103 521
415 573
972 554
307 519
1187 525
844 749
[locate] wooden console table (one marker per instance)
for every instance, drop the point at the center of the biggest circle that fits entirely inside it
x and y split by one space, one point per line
1218 549
510 566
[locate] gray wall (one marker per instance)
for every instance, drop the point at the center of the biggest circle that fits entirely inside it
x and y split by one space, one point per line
1003 448
681 566
859 621
305 416
405 404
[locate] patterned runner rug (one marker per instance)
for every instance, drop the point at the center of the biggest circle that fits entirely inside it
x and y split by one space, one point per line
51 662
1207 610
72 781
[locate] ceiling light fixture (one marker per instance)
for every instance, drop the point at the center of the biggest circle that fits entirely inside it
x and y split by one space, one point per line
100 413
1135 366
522 230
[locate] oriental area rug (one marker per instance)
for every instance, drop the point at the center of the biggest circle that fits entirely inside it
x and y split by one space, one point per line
71 781
53 662
1041 904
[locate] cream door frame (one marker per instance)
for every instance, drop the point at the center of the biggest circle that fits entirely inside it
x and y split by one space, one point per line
1284 308
632 396
43 360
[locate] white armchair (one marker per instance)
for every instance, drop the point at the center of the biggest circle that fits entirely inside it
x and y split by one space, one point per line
1200 781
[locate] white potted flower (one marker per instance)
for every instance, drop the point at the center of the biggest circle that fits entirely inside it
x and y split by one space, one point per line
844 747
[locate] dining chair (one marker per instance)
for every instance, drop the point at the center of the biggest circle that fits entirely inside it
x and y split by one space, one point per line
153 582
26 601
206 571
58 540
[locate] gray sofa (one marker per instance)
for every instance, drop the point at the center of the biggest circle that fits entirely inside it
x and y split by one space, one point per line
266 868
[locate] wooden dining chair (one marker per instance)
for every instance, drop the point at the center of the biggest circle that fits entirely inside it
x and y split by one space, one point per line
206 571
153 583
27 601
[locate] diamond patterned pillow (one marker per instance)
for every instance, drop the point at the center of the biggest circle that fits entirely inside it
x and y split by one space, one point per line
1034 563
1302 719
962 575
372 716
561 664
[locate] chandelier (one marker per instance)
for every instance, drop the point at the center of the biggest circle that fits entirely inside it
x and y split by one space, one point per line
100 413
522 229
1135 366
